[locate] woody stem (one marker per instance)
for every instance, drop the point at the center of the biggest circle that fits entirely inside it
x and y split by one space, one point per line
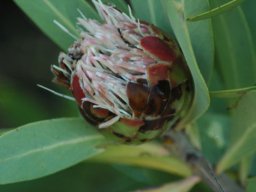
179 143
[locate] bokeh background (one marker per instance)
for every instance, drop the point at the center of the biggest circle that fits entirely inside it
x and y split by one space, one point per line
26 55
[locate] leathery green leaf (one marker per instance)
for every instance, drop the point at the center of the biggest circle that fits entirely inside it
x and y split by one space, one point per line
216 11
249 10
147 155
152 14
45 12
120 4
42 148
201 35
244 169
243 138
235 50
231 93
175 11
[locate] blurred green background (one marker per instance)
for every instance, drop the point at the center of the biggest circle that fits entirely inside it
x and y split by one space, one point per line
26 55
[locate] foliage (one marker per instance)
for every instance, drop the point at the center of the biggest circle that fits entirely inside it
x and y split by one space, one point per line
218 40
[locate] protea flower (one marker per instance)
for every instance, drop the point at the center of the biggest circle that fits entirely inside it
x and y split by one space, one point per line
128 78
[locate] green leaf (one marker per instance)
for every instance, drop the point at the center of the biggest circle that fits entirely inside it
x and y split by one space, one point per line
120 4
243 138
178 186
249 10
146 155
216 11
235 50
201 35
44 12
251 186
152 14
201 101
244 169
231 93
42 148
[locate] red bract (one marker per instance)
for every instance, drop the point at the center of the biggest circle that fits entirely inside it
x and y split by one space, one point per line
126 76
158 48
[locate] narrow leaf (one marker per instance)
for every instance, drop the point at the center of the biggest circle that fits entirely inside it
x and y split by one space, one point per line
47 13
235 50
152 14
216 11
244 169
200 103
42 148
120 4
147 155
243 131
249 10
201 35
231 93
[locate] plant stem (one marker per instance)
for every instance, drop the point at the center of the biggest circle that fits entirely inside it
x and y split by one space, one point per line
179 143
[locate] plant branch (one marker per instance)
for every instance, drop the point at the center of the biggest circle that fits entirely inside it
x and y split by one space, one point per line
179 143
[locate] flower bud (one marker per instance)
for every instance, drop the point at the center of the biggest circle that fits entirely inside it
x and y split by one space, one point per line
127 77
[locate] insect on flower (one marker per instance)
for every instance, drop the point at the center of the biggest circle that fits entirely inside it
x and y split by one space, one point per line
127 77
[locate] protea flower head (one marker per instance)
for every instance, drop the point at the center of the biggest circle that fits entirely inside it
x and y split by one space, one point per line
127 77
